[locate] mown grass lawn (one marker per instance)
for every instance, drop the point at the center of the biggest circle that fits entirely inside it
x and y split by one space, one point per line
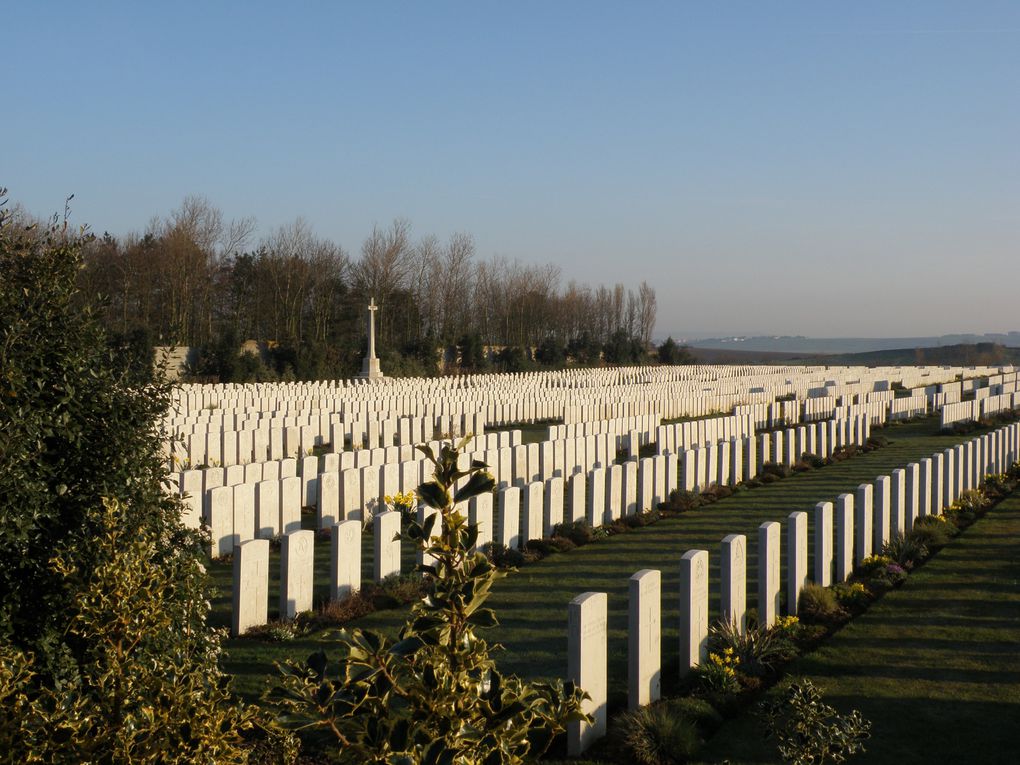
532 603
935 665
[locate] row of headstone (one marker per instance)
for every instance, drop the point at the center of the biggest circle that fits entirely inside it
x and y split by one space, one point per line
238 446
532 397
843 537
727 463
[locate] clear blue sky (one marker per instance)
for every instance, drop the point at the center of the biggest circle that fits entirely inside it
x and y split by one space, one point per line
815 168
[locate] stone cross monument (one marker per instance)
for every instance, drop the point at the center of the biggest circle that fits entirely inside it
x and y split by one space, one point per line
370 365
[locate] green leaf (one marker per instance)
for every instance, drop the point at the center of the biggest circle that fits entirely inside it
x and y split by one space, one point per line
407 646
479 483
427 451
317 663
484 617
434 495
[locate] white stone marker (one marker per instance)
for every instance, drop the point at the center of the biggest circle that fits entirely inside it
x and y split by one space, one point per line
688 471
370 491
644 643
251 586
844 537
350 495
552 513
267 509
534 506
244 512
576 485
510 517
309 479
823 544
658 480
796 559
768 573
345 560
937 475
387 544
733 581
863 520
290 504
693 609
912 498
924 484
948 478
898 503
596 497
480 513
630 489
587 658
614 494
737 460
297 558
221 520
882 513
645 485
328 500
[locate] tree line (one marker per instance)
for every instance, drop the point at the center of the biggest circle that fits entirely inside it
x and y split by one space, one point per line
195 279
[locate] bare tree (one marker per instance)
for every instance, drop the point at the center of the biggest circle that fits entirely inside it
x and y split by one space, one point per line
646 312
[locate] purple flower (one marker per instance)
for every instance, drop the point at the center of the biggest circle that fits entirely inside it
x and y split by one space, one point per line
895 568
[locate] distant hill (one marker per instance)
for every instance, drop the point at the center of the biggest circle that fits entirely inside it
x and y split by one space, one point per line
842 345
741 356
959 355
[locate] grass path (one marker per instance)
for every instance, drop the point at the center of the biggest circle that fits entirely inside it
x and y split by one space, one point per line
532 604
935 665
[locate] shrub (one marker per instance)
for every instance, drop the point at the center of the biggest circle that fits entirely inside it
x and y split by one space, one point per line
905 549
107 654
819 604
579 532
809 731
638 520
775 470
997 486
844 453
873 564
718 673
933 530
681 501
336 612
501 556
378 702
853 595
144 692
539 548
275 632
971 502
717 491
658 734
758 648
812 459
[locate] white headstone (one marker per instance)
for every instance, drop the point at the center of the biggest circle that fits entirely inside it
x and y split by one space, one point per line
587 655
345 559
733 581
644 645
693 609
297 559
251 585
768 573
796 559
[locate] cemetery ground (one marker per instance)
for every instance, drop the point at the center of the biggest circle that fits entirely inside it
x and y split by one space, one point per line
935 665
532 603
